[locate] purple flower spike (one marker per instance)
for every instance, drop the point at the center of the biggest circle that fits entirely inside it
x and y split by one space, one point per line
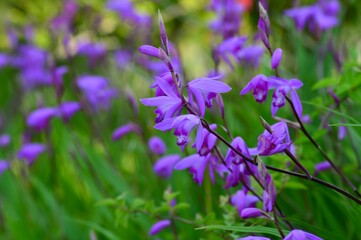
164 166
125 129
301 235
259 85
322 166
30 152
4 165
159 226
254 238
156 145
67 109
252 213
40 118
204 90
276 58
5 140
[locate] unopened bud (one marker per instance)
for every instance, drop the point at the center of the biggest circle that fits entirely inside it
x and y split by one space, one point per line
163 33
263 14
266 125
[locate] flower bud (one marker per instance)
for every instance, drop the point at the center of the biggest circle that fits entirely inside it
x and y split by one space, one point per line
276 58
163 33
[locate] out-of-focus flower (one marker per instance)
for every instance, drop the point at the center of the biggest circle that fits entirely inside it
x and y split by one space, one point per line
301 235
156 145
164 166
30 152
122 58
254 238
125 129
322 166
320 16
40 118
65 19
4 165
67 109
159 226
97 91
342 131
94 52
127 12
5 140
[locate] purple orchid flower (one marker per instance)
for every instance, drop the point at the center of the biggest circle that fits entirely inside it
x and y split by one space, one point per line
156 145
209 141
253 213
127 12
125 129
182 126
30 152
159 226
204 90
234 158
241 200
40 118
322 166
165 165
282 88
301 235
259 85
276 58
94 52
278 141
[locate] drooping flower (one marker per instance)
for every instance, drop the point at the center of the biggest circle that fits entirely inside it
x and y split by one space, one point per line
204 90
282 88
165 165
125 129
156 145
40 118
275 142
29 152
259 85
183 125
301 235
159 226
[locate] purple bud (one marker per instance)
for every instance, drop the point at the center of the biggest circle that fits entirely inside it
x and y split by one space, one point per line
150 51
40 118
322 166
262 33
159 226
67 109
264 16
276 58
4 140
30 152
156 145
252 213
342 130
123 130
163 33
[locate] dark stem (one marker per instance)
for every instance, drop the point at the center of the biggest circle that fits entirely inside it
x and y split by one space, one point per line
275 220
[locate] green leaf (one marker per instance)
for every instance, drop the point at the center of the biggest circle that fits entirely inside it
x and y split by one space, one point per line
324 83
108 234
244 229
345 124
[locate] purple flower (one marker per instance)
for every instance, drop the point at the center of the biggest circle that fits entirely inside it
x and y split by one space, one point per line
125 129
122 58
94 52
67 109
250 55
234 158
30 152
230 47
278 141
342 131
318 17
301 235
283 87
156 145
322 166
182 126
5 140
242 200
96 91
253 213
4 165
254 238
159 226
259 85
276 58
164 166
40 118
65 19
127 12
204 90
209 141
